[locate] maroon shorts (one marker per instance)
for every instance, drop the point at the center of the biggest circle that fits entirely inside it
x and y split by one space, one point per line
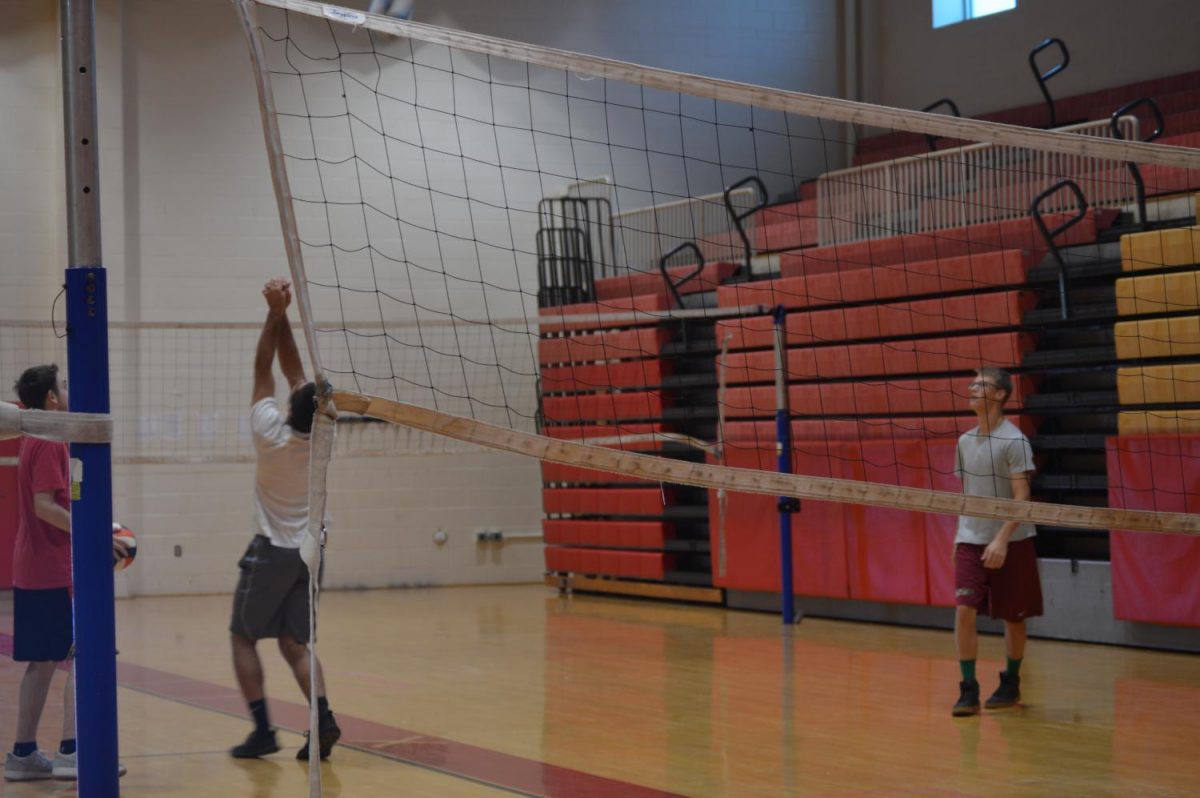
1012 592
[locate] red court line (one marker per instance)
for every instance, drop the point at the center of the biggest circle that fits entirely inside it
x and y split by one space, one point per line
504 771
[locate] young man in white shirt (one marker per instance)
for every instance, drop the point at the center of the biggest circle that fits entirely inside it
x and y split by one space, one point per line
995 565
272 592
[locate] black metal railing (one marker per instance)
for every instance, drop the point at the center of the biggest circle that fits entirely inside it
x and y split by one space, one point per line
576 245
739 217
1134 171
674 285
1042 77
1049 235
946 101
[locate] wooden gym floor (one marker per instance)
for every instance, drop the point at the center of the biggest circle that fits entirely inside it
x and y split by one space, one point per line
495 691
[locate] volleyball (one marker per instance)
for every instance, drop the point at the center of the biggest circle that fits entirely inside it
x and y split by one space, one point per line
127 537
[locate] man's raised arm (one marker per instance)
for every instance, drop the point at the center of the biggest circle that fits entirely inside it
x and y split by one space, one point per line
285 345
264 354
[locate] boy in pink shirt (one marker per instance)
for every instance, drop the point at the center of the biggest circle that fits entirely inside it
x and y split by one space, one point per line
43 629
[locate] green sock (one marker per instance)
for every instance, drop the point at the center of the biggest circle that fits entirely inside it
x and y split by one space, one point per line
1014 667
967 666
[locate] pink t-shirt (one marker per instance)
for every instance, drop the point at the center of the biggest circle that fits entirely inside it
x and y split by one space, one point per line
42 551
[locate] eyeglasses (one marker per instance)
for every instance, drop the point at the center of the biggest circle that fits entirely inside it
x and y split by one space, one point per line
983 384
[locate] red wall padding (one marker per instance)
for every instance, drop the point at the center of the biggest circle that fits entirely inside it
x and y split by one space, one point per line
885 548
1155 576
940 529
751 533
844 550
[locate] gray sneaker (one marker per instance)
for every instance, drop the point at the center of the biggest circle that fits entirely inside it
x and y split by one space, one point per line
27 768
66 767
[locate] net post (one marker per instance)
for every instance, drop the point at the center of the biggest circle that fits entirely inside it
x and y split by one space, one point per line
312 552
91 538
783 446
87 366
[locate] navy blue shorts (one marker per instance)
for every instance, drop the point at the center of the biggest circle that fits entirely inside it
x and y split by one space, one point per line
43 627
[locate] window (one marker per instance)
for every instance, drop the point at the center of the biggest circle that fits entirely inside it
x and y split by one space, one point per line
948 12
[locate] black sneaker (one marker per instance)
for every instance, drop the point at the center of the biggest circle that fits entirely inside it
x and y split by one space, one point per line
328 733
968 699
258 743
1008 694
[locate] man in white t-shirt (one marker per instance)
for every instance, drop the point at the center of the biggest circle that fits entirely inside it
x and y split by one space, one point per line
995 565
272 592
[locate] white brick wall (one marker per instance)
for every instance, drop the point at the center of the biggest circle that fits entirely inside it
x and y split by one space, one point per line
385 512
190 232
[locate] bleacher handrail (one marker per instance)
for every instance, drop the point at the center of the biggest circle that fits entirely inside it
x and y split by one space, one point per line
932 191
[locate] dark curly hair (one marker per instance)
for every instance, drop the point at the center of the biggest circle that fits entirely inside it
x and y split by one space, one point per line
302 404
35 383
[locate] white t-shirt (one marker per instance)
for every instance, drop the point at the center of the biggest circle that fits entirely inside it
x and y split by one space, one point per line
280 477
985 464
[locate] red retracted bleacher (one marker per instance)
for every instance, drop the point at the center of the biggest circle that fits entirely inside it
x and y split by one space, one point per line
603 379
882 337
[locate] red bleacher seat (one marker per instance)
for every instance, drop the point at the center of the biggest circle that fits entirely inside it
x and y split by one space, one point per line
893 397
620 344
890 281
602 376
739 434
640 283
603 406
590 315
950 242
605 501
892 320
606 562
615 534
892 358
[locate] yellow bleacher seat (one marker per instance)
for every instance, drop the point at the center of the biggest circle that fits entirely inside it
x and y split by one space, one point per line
1178 337
1158 293
1169 384
1159 248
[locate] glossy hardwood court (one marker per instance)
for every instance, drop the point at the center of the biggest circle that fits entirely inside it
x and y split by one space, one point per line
490 691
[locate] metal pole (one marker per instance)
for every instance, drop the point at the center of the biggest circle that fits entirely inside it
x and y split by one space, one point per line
87 367
783 443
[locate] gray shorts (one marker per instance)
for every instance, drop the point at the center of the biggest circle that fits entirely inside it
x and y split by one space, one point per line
272 593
